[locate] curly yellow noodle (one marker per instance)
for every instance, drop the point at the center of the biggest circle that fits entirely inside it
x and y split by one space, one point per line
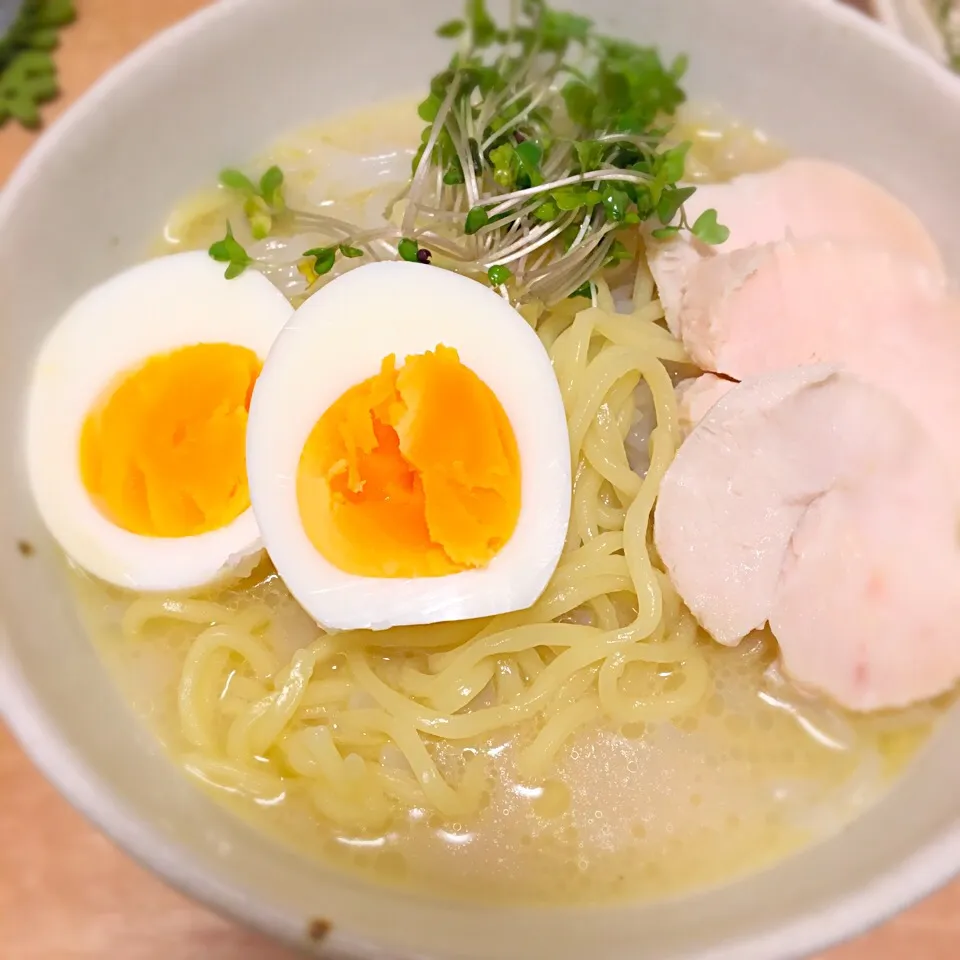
531 663
252 734
233 777
403 789
366 725
145 609
420 637
643 289
572 689
599 378
604 612
604 296
603 449
609 517
550 329
446 697
509 641
321 692
509 684
586 492
245 689
201 683
536 759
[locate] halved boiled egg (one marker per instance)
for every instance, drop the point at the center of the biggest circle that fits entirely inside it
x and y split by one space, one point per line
408 452
137 418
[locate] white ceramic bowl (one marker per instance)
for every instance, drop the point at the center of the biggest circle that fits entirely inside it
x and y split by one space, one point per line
213 91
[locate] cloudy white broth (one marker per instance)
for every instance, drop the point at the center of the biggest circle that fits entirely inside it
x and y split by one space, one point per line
517 678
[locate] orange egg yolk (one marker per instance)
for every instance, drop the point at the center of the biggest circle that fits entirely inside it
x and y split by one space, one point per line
164 453
412 473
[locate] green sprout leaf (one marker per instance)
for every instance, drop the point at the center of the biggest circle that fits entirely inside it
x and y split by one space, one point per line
618 253
673 161
262 201
573 198
581 102
408 250
679 66
259 217
323 259
671 201
665 233
615 201
482 27
476 219
260 225
429 108
589 154
452 28
235 180
218 251
548 210
349 251
499 275
271 184
634 87
529 154
584 290
453 176
708 230
229 250
504 160
558 30
614 89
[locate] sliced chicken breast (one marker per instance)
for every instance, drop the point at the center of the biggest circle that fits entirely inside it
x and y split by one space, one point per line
815 502
697 395
800 199
891 322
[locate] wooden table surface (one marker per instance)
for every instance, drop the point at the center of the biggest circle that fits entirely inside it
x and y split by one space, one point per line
66 893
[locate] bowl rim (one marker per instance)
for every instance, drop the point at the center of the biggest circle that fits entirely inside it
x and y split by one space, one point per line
925 871
911 19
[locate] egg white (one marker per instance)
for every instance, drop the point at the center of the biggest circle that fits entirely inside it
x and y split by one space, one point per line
337 339
150 309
